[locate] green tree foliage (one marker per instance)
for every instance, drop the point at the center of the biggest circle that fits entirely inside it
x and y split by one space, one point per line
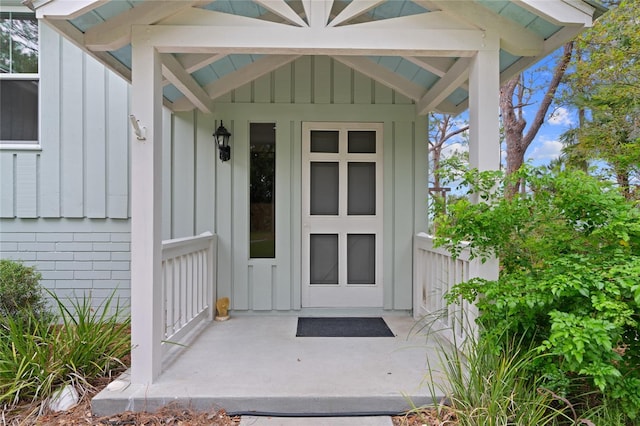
605 84
569 249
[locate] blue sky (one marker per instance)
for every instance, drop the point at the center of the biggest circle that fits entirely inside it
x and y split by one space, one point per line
546 145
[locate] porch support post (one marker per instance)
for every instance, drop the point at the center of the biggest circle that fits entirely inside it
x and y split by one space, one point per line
484 132
146 214
484 106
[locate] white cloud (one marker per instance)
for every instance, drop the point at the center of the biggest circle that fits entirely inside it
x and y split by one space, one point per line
545 150
561 117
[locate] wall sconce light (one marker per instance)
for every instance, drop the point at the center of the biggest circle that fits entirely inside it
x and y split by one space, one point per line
222 136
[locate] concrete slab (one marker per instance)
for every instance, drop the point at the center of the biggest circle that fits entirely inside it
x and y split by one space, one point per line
316 421
256 366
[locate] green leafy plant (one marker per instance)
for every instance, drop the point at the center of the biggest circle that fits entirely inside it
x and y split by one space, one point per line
569 249
21 295
37 356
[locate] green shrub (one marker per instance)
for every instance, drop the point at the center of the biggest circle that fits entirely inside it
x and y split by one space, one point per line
569 250
20 291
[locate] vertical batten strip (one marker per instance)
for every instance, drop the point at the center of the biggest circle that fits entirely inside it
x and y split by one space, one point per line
95 95
50 58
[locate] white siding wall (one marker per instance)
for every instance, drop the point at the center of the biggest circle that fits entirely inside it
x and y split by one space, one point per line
314 89
82 169
65 208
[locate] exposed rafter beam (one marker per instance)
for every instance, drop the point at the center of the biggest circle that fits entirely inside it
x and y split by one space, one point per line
561 12
514 38
457 75
116 32
183 81
66 29
433 20
551 44
289 40
353 10
437 66
65 9
282 9
211 18
447 107
192 62
383 75
244 75
317 12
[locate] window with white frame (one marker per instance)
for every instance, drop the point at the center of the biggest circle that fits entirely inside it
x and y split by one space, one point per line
19 78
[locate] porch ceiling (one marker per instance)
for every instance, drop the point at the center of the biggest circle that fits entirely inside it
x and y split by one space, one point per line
419 48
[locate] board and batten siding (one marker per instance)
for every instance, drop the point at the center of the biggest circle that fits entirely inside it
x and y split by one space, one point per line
75 190
314 89
65 207
82 169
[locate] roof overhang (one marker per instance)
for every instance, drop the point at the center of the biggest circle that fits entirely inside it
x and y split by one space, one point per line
420 48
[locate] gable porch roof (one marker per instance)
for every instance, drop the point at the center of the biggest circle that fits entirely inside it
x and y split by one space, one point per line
419 48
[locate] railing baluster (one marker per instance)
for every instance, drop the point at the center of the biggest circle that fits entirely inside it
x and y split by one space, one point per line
188 283
435 274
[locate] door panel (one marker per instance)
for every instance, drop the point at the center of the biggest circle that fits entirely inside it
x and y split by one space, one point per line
342 215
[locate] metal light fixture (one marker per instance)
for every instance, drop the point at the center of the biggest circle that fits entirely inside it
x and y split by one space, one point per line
222 136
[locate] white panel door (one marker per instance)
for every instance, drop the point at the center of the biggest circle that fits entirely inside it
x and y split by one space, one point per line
342 215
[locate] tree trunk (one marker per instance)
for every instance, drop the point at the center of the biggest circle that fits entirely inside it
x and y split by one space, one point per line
512 102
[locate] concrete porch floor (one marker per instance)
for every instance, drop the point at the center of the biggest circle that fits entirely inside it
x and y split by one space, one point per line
256 365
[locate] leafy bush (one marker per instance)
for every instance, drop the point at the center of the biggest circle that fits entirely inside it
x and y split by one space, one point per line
569 281
38 356
20 292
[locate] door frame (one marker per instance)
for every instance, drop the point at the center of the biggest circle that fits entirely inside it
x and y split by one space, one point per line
342 295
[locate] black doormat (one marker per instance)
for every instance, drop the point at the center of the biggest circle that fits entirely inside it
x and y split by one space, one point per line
342 327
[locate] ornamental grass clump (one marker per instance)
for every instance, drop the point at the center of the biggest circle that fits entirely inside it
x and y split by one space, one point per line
490 386
41 353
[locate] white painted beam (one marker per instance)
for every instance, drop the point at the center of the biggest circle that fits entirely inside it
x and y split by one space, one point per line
211 18
438 66
282 9
289 40
194 61
432 20
239 78
65 9
353 10
71 33
514 38
484 125
383 75
146 216
550 45
457 75
116 32
182 80
317 12
561 12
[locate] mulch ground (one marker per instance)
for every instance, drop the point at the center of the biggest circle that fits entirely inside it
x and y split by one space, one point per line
169 416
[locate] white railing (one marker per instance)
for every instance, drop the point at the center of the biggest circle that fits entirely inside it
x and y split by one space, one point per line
435 273
188 285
